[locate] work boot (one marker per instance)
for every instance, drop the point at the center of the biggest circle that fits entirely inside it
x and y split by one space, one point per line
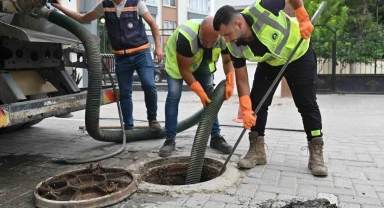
256 153
168 147
316 160
218 142
154 126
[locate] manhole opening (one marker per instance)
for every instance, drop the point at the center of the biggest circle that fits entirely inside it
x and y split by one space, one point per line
173 171
86 185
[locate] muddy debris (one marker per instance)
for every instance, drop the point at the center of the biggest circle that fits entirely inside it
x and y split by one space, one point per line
294 203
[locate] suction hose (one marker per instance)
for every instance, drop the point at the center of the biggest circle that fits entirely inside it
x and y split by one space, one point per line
92 111
196 160
124 139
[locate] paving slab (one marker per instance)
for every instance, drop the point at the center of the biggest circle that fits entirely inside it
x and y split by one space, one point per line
354 146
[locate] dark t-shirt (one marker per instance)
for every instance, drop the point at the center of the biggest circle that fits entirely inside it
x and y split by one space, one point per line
184 48
256 46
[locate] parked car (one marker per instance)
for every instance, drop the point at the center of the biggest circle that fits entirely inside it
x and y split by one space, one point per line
159 73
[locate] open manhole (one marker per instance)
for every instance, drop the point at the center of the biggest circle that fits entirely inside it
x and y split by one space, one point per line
90 187
168 175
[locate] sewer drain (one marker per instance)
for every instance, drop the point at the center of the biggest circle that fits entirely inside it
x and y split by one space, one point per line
90 187
168 175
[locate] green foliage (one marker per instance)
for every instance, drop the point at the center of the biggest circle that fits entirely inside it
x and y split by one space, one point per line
328 26
355 28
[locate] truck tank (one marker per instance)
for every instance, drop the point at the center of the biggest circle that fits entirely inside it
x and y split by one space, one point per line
38 78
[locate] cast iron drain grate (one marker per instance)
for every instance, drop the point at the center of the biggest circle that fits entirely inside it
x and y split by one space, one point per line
90 187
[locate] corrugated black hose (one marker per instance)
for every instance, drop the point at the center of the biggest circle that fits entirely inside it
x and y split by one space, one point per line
196 160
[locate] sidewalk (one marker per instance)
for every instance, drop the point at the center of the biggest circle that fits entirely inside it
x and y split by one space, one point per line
354 153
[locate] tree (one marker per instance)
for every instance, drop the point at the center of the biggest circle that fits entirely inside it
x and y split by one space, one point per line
328 26
355 28
361 19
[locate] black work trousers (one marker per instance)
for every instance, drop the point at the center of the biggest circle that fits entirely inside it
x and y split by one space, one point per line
301 76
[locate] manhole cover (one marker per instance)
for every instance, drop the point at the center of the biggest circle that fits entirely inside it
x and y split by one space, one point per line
169 174
90 187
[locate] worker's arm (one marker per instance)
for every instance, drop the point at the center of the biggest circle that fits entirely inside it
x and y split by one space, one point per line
242 81
296 3
82 18
227 63
184 63
156 34
306 26
229 74
249 119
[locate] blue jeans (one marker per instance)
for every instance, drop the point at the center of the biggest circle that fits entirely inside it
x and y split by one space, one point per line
173 99
125 66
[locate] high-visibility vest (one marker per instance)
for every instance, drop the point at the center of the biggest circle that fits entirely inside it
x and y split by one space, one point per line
190 30
280 34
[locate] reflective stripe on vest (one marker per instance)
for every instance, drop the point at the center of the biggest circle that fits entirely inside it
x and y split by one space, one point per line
125 9
189 29
279 34
131 50
263 19
195 45
191 33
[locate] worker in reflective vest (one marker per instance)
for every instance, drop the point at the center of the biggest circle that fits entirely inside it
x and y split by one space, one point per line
129 41
191 55
263 33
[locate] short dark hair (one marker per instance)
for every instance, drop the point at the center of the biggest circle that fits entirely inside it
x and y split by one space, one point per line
223 16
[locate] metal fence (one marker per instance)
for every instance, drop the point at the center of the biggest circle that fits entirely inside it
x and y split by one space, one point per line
350 65
341 55
108 64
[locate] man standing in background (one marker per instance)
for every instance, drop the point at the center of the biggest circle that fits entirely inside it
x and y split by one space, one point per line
130 45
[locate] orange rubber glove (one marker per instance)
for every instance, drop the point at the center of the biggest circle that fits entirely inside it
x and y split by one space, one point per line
306 26
196 87
229 85
249 118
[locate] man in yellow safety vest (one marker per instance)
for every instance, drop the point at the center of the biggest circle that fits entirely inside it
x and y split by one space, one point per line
263 33
191 55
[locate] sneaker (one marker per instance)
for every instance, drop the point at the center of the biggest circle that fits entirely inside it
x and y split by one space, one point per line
218 142
154 126
168 147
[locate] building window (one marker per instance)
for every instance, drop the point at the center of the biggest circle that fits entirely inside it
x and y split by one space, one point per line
150 2
169 27
200 6
171 3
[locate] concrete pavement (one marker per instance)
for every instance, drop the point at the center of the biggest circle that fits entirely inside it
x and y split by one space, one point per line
354 144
